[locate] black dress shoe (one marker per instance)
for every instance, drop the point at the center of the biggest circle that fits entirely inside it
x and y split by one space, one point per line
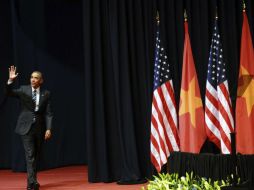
36 186
30 187
33 186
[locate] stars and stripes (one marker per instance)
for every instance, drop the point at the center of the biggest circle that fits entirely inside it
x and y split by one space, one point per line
164 133
218 110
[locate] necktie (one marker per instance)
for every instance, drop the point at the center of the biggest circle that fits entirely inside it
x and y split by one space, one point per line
34 101
34 98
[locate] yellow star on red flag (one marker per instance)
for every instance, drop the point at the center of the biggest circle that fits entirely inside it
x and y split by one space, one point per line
190 102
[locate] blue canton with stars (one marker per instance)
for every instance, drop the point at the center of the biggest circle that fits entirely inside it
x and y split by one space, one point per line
216 67
161 67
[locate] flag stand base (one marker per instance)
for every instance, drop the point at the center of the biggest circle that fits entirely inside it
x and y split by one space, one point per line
235 186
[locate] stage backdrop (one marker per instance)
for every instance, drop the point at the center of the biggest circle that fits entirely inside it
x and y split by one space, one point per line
45 36
97 58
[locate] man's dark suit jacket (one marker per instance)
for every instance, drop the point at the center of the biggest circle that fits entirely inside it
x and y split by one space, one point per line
26 118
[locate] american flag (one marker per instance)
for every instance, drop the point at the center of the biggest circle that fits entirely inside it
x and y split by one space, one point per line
218 109
164 133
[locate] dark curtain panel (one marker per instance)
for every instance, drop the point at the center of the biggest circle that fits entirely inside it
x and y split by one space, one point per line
5 59
119 51
118 38
46 36
97 59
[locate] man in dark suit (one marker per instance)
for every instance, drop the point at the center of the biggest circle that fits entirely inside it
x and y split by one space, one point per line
34 122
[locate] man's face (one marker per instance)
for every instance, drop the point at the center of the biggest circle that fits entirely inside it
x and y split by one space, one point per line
36 80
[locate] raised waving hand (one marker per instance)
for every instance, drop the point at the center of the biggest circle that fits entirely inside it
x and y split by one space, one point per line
12 73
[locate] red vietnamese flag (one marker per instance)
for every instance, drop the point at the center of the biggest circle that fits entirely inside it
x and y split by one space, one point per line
245 94
191 114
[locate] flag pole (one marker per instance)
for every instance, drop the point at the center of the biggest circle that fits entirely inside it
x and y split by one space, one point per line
233 152
233 138
158 23
165 143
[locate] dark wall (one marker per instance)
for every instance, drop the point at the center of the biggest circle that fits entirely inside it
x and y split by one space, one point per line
6 58
45 36
97 60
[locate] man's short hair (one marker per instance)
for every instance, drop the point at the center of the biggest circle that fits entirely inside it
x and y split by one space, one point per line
39 73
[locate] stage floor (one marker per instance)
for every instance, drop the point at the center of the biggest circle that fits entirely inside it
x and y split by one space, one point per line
66 178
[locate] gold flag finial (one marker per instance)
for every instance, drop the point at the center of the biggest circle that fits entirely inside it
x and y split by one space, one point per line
185 15
158 17
244 6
